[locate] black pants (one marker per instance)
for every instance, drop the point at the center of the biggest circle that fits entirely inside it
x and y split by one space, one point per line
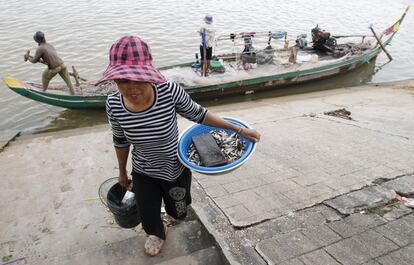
149 193
209 52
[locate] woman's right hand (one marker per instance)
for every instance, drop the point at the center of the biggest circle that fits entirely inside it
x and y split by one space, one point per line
123 180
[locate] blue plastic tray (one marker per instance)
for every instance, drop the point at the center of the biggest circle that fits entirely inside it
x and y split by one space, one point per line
196 129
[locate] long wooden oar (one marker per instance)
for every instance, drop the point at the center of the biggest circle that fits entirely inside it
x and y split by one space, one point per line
350 36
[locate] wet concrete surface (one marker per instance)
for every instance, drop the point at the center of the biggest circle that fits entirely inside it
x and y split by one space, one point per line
6 138
52 214
371 161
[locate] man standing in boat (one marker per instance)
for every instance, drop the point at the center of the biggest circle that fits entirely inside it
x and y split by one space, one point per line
47 54
207 33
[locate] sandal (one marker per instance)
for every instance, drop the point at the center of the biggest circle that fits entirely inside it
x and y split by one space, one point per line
169 220
153 244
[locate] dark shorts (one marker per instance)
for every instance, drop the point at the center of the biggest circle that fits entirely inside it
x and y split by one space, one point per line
209 52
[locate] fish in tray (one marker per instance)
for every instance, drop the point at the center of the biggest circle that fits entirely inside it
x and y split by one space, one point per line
216 148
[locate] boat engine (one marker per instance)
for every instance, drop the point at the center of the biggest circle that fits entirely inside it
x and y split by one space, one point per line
322 40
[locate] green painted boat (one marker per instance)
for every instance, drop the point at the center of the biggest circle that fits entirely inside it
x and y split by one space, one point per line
280 80
214 86
33 91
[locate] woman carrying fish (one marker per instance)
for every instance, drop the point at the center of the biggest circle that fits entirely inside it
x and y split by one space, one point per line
143 113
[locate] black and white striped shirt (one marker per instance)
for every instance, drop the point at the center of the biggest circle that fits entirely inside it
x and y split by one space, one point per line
153 132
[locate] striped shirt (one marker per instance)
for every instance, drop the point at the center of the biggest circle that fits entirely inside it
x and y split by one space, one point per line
153 133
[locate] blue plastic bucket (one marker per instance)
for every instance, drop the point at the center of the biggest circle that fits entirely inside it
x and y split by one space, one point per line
197 129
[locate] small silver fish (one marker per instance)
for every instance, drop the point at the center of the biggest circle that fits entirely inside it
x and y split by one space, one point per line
230 145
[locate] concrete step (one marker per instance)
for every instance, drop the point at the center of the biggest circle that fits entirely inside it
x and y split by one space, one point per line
7 137
207 256
187 242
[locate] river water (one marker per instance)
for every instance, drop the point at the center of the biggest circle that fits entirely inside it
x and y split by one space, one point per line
82 32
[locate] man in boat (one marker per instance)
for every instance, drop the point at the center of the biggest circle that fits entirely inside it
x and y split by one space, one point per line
207 33
47 54
248 55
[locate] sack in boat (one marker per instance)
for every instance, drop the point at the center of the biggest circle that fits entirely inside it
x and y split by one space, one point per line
264 57
248 57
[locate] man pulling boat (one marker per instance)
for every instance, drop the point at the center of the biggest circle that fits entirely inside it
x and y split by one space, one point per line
47 54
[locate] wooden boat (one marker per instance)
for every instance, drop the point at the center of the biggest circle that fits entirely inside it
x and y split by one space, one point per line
55 98
218 84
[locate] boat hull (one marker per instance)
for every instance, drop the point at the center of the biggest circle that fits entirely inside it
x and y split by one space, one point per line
64 101
281 80
206 92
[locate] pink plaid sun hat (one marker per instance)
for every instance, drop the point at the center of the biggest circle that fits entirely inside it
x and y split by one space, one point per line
130 58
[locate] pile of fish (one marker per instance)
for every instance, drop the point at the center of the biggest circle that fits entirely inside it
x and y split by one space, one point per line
87 88
231 146
103 89
351 48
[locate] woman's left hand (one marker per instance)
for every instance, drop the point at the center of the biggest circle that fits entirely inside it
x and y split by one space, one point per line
216 121
251 134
